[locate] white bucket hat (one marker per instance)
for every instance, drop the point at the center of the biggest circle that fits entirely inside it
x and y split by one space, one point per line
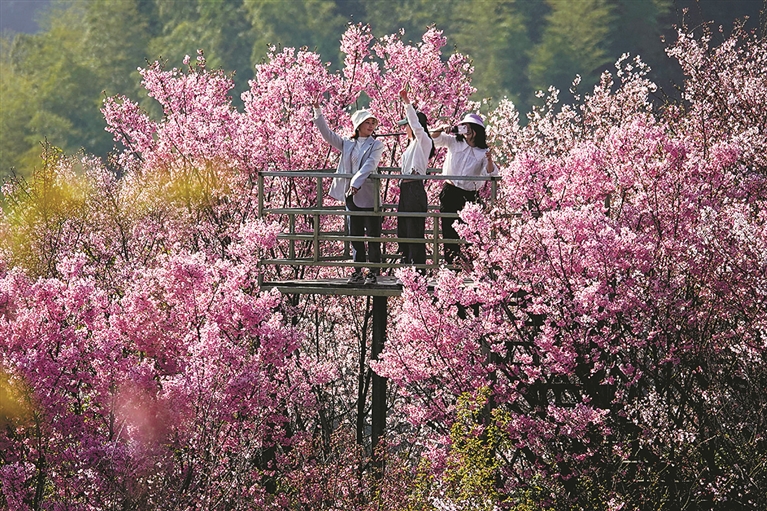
361 116
472 118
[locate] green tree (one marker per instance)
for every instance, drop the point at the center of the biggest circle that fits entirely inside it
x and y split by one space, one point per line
574 41
59 101
17 108
115 42
221 28
496 38
315 24
637 29
413 16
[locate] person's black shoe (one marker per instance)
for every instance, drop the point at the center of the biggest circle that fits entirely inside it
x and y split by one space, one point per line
356 278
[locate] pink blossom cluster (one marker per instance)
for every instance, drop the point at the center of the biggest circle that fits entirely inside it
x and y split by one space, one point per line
128 394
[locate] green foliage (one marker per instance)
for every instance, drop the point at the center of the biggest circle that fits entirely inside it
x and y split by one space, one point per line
114 42
312 23
476 460
16 111
60 102
638 28
473 465
412 16
472 477
219 27
575 41
498 41
420 489
40 211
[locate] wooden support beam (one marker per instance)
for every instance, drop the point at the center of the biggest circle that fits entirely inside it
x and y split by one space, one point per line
378 394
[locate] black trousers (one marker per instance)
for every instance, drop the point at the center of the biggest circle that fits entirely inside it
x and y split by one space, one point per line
364 226
452 200
412 198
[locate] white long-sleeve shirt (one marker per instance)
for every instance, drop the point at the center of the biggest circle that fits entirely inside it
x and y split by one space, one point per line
464 160
415 159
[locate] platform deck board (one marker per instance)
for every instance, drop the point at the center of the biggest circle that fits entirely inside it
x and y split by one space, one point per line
386 286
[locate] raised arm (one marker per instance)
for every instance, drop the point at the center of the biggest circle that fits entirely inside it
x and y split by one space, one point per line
412 117
415 125
442 139
329 135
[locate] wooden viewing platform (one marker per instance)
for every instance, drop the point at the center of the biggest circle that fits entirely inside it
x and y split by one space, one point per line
304 242
314 247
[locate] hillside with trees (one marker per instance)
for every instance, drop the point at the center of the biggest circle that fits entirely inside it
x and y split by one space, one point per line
53 82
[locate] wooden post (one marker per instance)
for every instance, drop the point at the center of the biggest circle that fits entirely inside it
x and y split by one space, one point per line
435 251
378 407
317 226
260 195
260 182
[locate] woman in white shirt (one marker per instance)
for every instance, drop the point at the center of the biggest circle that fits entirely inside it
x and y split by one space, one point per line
467 155
412 195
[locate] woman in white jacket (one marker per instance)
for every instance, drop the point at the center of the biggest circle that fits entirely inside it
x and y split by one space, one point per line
412 195
360 155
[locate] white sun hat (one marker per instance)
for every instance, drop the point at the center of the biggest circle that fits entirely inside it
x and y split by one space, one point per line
361 116
472 118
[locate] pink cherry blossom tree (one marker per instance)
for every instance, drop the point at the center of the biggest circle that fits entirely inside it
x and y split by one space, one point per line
615 331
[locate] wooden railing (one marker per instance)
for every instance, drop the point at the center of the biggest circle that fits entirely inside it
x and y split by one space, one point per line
318 211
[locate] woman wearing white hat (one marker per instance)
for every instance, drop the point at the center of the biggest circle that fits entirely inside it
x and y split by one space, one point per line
412 195
467 155
360 155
